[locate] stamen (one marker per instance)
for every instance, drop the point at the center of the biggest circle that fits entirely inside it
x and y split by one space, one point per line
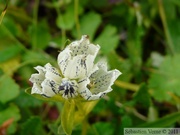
68 88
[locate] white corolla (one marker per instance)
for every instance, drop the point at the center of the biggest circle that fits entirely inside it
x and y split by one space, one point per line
77 74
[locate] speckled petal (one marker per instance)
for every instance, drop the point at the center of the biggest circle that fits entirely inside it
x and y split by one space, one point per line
52 73
83 83
83 47
40 69
63 60
85 93
78 67
76 60
103 82
101 67
38 77
36 89
100 82
49 88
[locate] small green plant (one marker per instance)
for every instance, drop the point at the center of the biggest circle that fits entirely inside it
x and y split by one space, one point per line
139 38
77 77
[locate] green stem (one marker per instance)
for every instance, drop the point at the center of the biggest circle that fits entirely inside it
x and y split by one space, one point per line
126 85
63 32
3 12
26 63
35 20
35 12
128 109
46 58
165 25
76 3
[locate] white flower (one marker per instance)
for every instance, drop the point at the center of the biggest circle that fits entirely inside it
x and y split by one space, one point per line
77 74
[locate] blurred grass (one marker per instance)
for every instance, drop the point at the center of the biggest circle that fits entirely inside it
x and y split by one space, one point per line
3 13
139 38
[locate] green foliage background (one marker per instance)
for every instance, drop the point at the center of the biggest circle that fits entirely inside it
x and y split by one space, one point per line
140 38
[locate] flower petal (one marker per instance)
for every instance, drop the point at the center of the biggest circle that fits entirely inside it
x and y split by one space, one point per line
104 80
63 59
83 47
79 67
100 82
83 83
93 49
85 93
40 69
76 60
36 89
52 73
38 77
49 88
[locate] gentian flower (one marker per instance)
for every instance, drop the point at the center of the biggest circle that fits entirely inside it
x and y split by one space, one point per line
77 74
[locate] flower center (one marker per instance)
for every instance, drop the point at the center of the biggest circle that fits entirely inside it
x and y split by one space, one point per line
91 84
68 88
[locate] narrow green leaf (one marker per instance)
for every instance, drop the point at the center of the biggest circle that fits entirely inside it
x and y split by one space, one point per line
176 2
152 114
3 12
56 98
8 89
9 52
67 116
11 29
84 108
134 46
61 130
171 24
163 122
38 57
174 33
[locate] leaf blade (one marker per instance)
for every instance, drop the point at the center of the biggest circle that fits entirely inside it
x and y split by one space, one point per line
67 116
163 122
8 89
